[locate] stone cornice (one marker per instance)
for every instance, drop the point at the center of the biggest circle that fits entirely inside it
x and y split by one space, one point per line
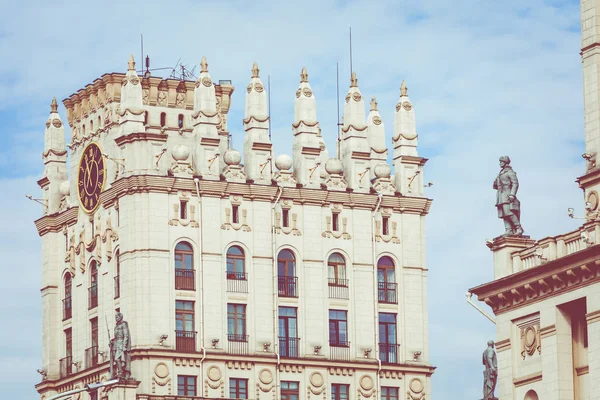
562 275
222 189
527 379
503 345
140 136
590 178
592 317
55 222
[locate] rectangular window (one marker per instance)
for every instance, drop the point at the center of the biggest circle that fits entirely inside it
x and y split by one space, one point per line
235 214
236 322
289 390
338 328
336 222
388 348
389 393
183 209
94 329
68 343
238 388
285 218
288 332
339 391
184 315
186 385
385 226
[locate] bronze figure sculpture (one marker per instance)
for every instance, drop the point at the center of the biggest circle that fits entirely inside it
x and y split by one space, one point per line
490 373
509 207
120 348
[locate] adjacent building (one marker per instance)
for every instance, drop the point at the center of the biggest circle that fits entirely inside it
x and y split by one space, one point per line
546 292
299 277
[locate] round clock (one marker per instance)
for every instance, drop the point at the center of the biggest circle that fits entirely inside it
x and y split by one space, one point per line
91 177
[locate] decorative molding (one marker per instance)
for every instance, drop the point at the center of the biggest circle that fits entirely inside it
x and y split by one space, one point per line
416 389
527 379
340 371
592 317
243 365
548 331
503 345
161 377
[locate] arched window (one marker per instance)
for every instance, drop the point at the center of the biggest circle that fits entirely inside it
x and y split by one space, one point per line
82 129
236 268
184 266
145 117
531 395
336 266
91 126
386 281
99 122
67 304
286 270
163 119
93 289
180 121
117 276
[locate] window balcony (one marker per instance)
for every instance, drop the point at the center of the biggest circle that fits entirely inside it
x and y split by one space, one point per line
289 346
387 292
91 357
185 341
185 279
238 344
67 308
65 366
287 286
339 350
237 282
117 287
338 288
389 352
92 297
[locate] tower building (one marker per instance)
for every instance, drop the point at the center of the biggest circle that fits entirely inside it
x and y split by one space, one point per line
299 277
546 292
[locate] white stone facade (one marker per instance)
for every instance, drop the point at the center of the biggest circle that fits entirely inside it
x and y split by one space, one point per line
171 178
546 293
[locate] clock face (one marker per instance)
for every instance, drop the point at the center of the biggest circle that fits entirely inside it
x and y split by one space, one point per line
91 177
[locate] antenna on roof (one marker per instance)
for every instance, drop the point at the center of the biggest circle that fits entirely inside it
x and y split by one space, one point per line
142 49
181 72
269 102
337 93
351 70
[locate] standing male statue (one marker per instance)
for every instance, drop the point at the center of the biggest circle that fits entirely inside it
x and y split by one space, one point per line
490 374
509 207
120 348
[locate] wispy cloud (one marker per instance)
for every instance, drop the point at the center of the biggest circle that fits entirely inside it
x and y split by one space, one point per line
486 79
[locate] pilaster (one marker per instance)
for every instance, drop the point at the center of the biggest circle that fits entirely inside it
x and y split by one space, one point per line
503 248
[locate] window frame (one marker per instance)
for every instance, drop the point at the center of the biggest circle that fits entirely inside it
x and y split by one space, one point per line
287 391
390 393
336 269
236 389
232 260
188 389
286 263
236 315
340 328
182 312
336 391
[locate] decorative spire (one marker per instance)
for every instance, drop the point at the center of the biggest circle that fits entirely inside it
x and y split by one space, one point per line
403 89
304 75
255 70
131 63
204 65
353 80
373 104
53 105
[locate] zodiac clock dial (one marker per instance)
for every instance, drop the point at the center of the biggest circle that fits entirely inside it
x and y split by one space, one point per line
91 177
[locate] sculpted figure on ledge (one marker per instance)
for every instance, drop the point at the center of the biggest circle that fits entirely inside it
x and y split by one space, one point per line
490 373
509 207
120 348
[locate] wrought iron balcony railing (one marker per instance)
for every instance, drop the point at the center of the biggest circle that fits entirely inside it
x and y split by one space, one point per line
238 344
185 341
91 357
288 286
65 366
185 279
386 292
339 350
289 346
338 288
389 352
237 281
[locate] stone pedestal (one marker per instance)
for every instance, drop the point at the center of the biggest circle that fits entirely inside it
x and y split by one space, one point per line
124 390
503 248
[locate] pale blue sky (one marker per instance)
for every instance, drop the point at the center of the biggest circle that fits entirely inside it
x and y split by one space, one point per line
486 78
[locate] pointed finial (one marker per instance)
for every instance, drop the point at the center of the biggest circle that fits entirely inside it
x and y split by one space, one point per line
53 105
204 65
131 63
255 70
403 89
373 104
303 75
353 80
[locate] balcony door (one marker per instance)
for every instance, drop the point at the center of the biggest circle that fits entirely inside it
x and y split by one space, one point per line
288 332
388 347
